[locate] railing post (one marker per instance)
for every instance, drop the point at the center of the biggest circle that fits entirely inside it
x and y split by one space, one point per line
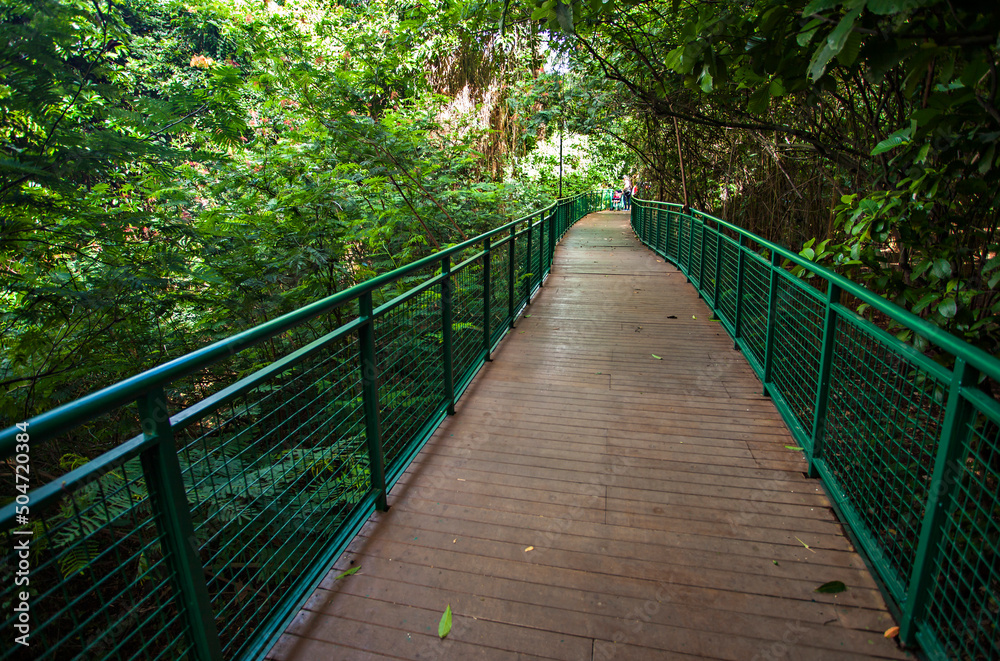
447 289
823 382
772 299
740 263
512 255
171 510
487 299
369 396
947 473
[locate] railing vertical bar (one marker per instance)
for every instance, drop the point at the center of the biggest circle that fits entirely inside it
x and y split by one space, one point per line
772 300
369 396
740 266
447 290
823 380
487 299
165 484
947 471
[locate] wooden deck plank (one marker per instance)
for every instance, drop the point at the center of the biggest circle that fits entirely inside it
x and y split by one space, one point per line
664 516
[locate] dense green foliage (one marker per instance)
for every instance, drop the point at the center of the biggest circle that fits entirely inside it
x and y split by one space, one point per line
862 132
174 173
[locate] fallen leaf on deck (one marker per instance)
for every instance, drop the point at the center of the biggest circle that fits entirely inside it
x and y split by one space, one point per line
892 632
444 627
833 587
793 447
655 356
805 545
530 548
352 570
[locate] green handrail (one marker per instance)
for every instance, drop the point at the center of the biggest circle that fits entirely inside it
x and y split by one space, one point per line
909 450
203 534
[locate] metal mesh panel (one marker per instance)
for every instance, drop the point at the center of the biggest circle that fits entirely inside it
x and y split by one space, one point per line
499 279
753 314
536 254
658 228
697 234
99 584
708 286
467 317
727 281
411 373
795 361
543 244
520 268
964 608
882 428
270 475
684 225
673 234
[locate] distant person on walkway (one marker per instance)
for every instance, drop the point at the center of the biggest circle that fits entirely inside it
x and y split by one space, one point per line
627 197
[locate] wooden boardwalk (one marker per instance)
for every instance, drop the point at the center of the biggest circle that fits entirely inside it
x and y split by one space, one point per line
592 501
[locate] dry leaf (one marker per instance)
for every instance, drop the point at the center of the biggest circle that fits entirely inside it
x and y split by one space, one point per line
892 632
530 548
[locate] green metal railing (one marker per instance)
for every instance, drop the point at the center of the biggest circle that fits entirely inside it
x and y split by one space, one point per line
907 446
202 536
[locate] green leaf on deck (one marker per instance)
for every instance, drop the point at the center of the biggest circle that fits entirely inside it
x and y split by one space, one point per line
793 447
444 627
655 356
833 587
352 570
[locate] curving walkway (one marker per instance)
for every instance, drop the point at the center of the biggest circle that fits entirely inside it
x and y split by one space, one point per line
592 501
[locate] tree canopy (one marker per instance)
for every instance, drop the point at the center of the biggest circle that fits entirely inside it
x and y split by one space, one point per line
172 172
